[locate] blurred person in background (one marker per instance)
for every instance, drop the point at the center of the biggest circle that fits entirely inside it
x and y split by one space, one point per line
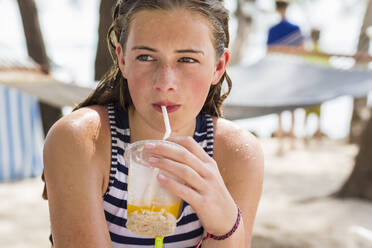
320 60
284 34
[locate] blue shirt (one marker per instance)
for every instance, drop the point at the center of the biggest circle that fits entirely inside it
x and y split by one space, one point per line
286 34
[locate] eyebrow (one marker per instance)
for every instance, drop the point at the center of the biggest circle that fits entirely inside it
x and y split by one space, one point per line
177 51
144 48
189 51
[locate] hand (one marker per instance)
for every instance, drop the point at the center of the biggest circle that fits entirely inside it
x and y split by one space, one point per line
203 187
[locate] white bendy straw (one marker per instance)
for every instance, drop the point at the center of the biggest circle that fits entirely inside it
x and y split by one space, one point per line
166 123
149 196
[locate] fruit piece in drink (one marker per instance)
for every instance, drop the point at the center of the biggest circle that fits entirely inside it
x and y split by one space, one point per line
172 209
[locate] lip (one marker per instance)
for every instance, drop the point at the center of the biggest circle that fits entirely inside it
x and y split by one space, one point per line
171 107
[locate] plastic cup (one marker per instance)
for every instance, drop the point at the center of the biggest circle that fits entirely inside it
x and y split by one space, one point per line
152 209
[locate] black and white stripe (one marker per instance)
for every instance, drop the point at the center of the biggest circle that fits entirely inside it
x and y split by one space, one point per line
189 229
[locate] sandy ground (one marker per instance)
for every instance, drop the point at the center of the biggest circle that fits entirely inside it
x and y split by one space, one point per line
295 210
24 216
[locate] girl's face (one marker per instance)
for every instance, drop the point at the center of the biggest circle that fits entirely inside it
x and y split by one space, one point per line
170 60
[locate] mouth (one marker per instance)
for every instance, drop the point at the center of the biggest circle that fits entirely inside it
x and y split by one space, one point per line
171 107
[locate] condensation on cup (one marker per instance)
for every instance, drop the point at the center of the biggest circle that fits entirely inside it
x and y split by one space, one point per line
152 209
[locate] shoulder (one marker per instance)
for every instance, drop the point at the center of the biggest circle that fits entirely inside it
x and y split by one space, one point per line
292 26
237 151
82 124
76 168
296 28
230 137
77 138
274 28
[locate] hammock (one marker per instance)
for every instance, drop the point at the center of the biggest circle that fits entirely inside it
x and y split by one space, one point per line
285 82
45 88
274 84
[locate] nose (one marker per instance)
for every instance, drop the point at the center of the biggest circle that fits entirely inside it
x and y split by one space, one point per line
165 79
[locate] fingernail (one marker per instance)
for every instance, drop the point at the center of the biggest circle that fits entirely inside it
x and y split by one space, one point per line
162 176
149 146
153 160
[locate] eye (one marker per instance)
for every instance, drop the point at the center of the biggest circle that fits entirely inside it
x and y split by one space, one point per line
188 60
145 57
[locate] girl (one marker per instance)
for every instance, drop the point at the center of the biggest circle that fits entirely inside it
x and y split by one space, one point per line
172 53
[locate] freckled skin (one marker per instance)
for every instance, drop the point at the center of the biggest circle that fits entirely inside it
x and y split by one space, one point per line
165 75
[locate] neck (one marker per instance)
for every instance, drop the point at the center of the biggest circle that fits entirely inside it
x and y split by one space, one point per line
140 129
282 14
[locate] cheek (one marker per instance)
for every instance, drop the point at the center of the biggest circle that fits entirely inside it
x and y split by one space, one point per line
200 89
138 87
198 82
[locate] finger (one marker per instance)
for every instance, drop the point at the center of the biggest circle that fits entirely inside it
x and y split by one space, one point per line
179 154
181 171
190 144
184 192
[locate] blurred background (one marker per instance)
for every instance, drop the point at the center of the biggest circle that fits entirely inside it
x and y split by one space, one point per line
304 94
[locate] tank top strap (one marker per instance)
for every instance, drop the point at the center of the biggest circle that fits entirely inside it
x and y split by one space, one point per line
118 115
204 132
120 139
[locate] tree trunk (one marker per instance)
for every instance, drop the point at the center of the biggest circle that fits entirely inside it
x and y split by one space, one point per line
359 184
244 25
363 45
36 50
359 116
358 119
103 58
31 28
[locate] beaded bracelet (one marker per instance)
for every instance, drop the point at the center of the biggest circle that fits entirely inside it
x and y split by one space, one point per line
225 236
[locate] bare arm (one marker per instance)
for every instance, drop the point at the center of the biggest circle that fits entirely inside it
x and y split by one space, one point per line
74 179
241 164
213 187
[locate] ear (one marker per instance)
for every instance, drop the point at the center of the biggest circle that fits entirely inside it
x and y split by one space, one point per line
221 66
120 56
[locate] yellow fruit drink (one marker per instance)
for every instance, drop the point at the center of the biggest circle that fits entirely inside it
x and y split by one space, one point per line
172 209
152 210
152 221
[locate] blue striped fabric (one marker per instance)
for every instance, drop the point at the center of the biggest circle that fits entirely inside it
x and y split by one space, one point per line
189 229
21 136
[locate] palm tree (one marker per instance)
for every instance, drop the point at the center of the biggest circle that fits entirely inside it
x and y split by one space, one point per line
36 50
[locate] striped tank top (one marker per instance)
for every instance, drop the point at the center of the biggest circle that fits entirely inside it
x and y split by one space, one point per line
188 230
